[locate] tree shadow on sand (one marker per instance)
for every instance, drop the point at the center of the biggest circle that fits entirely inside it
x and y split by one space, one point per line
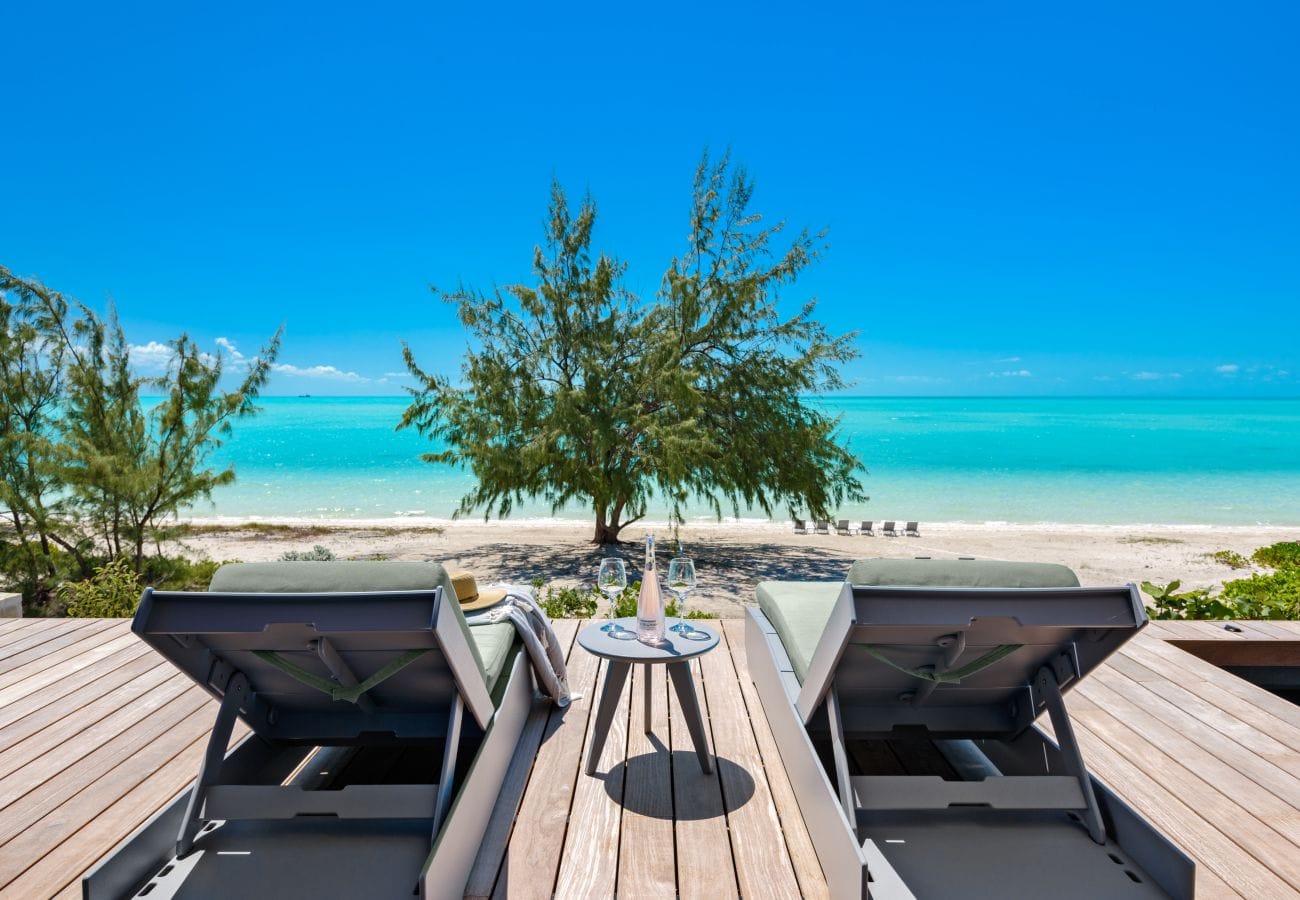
727 570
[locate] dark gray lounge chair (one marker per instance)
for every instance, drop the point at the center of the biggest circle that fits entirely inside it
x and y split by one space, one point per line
912 530
866 529
823 527
362 681
800 526
889 530
842 527
939 668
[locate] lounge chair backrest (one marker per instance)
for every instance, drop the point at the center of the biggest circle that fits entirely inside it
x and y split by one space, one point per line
403 638
909 647
866 527
800 526
842 526
823 527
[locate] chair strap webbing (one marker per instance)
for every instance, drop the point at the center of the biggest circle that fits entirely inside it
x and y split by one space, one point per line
333 688
952 677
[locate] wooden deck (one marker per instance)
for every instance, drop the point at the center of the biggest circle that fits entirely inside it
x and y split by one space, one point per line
97 732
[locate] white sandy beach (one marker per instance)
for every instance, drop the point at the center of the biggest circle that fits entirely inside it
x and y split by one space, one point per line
732 558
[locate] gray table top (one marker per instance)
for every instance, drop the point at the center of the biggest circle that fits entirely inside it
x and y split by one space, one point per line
677 649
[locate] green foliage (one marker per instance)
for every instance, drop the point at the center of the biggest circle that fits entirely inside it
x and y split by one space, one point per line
87 472
1282 555
112 592
1271 596
1230 558
317 553
178 573
1193 604
583 602
577 391
567 602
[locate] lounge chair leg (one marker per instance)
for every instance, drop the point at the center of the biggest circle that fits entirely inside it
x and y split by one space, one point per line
447 776
615 676
684 686
842 779
235 694
1070 754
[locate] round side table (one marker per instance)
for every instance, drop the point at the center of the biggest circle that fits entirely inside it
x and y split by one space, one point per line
675 655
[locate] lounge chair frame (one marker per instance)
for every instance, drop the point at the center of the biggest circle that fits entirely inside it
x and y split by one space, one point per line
995 746
245 787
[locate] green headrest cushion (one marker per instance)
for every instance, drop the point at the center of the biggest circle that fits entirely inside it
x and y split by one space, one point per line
978 573
330 577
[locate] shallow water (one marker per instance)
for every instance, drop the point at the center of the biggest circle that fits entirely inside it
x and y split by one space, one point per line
1022 460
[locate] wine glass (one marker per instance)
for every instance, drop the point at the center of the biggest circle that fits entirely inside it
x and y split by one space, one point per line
681 581
612 581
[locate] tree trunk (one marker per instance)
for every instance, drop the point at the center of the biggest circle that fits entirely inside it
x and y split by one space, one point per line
607 524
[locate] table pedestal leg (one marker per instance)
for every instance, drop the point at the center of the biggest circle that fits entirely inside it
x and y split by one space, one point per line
615 676
680 673
649 682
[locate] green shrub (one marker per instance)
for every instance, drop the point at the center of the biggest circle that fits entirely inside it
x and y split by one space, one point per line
315 554
1282 555
1193 604
566 602
1272 596
1230 558
179 573
583 602
112 592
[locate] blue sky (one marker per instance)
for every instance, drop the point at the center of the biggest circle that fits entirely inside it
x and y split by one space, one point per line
1022 198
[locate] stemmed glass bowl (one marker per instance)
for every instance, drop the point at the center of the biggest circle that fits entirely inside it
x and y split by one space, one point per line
681 581
612 580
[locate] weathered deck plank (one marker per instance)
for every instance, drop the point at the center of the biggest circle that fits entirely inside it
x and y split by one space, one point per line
95 735
647 859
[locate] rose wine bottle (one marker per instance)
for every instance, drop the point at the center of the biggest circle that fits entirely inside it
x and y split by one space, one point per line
650 602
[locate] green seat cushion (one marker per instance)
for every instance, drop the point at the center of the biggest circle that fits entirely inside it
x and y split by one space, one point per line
495 644
341 576
976 573
799 611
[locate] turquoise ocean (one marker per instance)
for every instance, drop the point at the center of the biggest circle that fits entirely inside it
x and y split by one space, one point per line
1014 460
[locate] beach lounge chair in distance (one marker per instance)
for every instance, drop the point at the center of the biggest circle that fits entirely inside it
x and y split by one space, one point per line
912 530
800 526
866 529
349 675
823 527
946 664
889 530
842 527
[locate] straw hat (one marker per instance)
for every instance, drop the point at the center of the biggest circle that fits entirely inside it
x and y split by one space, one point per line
470 597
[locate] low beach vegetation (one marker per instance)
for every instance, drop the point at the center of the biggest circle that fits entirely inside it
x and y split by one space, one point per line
564 602
1264 595
90 474
1230 558
318 553
574 390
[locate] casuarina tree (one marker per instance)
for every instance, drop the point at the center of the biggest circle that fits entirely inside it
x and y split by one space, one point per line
576 392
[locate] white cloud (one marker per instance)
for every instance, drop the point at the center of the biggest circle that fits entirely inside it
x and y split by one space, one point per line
1229 369
1008 359
329 373
150 357
1154 376
397 375
1015 373
229 346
